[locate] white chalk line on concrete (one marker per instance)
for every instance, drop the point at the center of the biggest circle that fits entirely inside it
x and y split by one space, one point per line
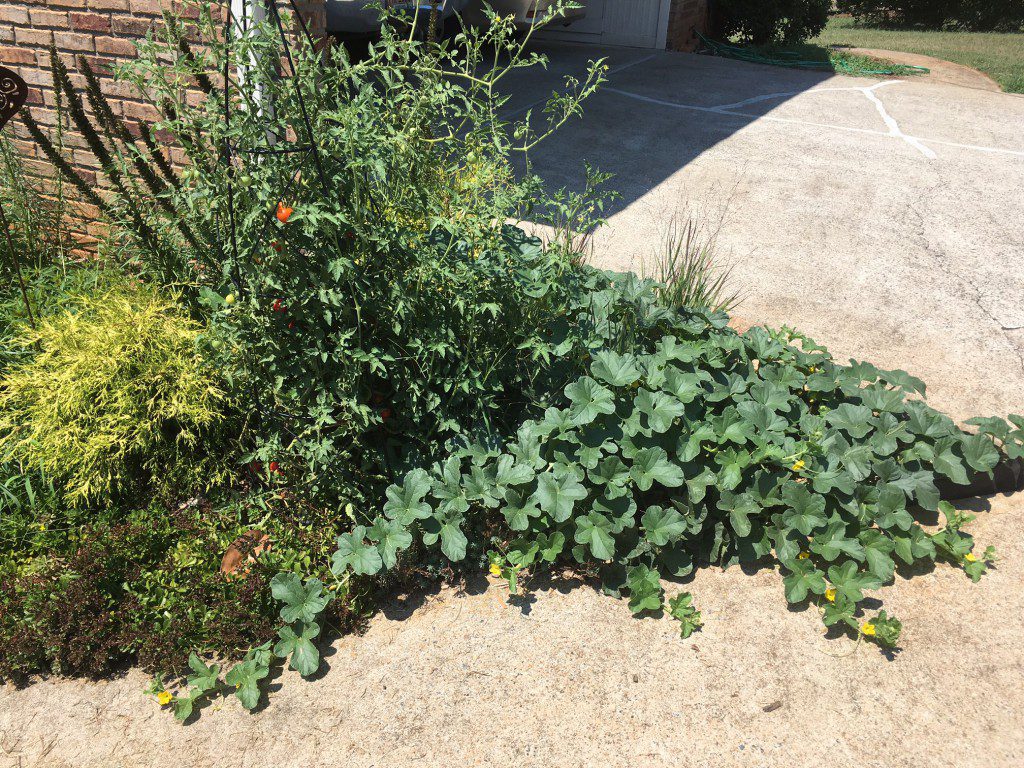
623 67
917 142
771 96
890 121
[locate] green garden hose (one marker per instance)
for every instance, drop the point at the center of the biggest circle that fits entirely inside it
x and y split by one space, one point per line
793 60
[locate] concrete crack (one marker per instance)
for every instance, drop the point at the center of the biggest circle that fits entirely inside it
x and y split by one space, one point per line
941 260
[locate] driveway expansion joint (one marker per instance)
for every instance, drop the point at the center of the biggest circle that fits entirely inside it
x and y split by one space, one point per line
733 109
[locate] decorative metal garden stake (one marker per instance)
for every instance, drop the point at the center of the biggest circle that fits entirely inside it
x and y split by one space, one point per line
13 93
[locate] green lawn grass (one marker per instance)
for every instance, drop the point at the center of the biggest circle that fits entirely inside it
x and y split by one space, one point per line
999 55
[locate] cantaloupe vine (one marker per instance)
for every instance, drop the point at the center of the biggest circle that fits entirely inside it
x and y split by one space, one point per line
684 444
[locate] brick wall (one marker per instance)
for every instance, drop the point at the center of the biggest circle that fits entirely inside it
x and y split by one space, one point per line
684 17
103 31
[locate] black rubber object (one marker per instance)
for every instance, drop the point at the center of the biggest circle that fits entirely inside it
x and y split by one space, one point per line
1007 477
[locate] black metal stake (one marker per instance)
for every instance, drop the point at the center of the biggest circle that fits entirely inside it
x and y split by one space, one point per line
17 265
13 94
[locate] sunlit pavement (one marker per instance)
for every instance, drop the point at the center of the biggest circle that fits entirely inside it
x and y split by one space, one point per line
883 217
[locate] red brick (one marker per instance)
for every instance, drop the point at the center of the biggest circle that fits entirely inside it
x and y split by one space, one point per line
97 229
43 60
124 25
118 90
10 55
102 66
14 15
74 140
91 22
108 5
684 17
134 110
84 159
88 211
147 7
35 75
24 148
83 238
39 168
74 41
115 46
35 37
19 130
186 10
43 116
42 18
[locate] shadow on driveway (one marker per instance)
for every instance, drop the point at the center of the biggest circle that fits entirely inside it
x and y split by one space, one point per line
621 134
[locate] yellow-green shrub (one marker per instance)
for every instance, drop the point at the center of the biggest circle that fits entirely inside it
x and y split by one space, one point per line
118 396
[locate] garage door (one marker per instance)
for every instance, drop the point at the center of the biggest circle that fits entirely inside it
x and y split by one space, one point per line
638 23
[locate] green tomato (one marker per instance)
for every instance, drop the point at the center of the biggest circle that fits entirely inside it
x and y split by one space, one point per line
229 299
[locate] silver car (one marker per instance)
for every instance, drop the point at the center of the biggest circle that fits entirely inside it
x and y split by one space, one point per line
360 17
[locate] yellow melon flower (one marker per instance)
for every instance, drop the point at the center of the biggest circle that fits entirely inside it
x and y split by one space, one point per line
495 569
165 698
812 369
830 594
803 555
970 558
798 465
867 628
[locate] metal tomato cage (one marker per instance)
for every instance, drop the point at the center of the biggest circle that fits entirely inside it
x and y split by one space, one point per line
239 16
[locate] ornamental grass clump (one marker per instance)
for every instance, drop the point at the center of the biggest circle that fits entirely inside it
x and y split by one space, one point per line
118 397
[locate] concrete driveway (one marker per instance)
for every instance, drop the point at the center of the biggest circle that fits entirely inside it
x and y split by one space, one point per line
885 218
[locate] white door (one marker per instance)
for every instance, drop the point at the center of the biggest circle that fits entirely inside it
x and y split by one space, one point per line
636 23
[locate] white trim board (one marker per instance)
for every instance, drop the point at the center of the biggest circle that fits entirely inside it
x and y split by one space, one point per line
651 31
